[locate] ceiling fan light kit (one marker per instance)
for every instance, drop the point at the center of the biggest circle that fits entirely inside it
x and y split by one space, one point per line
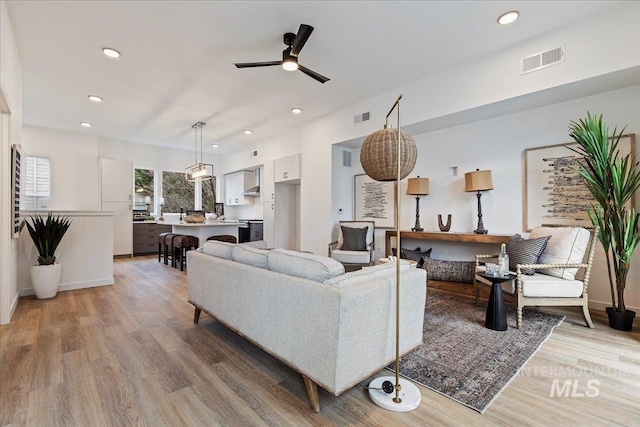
295 43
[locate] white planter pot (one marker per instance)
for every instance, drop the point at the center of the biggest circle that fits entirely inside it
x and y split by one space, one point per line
46 280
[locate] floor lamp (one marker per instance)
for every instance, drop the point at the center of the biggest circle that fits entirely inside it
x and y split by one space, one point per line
387 155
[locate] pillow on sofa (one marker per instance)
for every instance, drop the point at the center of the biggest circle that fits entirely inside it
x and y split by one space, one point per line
259 244
525 251
366 274
354 239
250 256
305 265
218 249
450 271
566 245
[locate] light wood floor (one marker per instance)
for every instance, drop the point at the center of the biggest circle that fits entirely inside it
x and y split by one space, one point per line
130 354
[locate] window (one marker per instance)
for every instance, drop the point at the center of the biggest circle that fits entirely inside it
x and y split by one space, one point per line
178 193
144 188
209 195
37 183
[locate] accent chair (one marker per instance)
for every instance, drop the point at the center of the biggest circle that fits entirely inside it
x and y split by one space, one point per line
355 243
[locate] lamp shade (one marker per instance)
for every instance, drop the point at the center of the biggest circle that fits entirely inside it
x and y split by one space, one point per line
478 180
147 200
418 186
378 155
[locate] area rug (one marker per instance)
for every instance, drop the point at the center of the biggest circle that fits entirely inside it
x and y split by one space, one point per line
467 362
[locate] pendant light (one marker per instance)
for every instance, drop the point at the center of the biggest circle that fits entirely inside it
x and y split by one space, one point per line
199 171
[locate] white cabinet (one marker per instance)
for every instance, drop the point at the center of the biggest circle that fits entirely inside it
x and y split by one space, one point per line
267 188
268 227
235 184
287 169
116 187
116 180
281 218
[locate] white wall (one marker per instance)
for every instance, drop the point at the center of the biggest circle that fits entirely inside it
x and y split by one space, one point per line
498 144
75 173
11 103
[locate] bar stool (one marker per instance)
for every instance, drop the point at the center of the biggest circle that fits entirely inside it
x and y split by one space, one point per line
161 244
181 244
168 247
224 238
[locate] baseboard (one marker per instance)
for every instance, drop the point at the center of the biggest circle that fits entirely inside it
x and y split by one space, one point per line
599 305
72 286
14 304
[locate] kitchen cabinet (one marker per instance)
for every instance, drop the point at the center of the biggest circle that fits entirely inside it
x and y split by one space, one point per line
281 222
267 179
145 237
287 169
116 180
235 184
116 188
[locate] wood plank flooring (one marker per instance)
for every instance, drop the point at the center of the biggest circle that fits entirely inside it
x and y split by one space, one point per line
130 354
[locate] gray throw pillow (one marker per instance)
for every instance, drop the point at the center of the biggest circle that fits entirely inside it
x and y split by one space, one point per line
449 271
355 239
414 255
525 251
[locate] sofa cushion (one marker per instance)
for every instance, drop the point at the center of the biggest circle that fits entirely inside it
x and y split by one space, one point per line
250 256
218 249
351 257
566 245
525 251
366 274
543 285
260 244
305 265
354 239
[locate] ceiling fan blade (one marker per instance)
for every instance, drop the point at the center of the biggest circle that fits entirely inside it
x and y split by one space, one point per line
257 64
301 38
313 74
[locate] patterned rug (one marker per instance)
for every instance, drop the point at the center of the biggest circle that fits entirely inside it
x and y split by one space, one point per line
467 362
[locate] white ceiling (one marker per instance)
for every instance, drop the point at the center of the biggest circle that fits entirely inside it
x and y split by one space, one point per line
177 59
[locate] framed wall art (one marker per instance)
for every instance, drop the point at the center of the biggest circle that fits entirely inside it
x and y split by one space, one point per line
374 201
554 193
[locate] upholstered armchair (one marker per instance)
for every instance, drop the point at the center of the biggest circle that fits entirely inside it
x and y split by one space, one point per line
355 243
546 273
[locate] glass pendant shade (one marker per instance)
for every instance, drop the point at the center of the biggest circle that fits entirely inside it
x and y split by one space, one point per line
199 171
378 154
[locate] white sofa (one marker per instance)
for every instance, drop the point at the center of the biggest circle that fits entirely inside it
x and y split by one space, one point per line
335 329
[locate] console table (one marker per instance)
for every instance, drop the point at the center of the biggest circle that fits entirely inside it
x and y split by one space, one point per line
442 236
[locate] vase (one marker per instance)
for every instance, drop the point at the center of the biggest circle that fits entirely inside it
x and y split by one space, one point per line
621 321
46 280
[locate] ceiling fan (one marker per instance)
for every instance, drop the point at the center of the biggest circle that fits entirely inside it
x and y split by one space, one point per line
295 43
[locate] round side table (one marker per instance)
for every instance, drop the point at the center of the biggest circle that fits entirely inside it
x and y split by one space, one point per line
496 317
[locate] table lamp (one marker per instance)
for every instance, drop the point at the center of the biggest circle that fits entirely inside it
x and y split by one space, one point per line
478 181
418 187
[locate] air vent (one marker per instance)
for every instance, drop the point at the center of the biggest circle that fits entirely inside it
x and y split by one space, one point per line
359 118
346 159
542 60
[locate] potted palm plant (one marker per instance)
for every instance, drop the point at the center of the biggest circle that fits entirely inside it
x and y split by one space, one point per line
612 180
46 235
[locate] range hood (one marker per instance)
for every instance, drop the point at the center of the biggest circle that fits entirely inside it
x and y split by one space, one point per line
255 190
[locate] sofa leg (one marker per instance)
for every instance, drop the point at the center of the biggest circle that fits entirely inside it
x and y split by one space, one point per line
312 392
196 315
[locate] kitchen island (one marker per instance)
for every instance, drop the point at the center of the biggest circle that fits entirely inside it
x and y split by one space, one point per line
206 229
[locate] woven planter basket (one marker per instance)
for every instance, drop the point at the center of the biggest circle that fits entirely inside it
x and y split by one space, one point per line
378 155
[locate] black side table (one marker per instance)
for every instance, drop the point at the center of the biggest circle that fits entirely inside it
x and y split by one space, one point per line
496 317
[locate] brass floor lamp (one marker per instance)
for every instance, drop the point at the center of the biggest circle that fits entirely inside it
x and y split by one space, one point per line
391 156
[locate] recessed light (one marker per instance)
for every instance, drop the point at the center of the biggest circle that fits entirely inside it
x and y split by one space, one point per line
85 124
508 17
94 98
111 53
248 131
296 110
215 146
